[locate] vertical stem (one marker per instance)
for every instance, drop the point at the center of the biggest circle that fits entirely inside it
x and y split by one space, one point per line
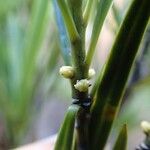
83 118
78 48
81 72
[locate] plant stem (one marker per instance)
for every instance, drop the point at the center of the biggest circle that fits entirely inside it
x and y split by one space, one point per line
81 72
83 118
78 49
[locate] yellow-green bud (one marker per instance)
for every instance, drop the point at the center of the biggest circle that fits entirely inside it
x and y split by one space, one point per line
91 73
67 72
82 85
146 127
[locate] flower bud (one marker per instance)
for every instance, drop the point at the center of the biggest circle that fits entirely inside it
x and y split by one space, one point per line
67 72
91 73
82 85
146 127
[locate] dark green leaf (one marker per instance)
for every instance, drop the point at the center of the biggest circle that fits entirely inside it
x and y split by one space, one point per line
121 142
117 70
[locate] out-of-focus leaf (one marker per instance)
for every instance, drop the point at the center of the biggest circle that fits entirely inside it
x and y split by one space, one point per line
138 103
34 39
65 136
36 28
64 41
121 142
7 6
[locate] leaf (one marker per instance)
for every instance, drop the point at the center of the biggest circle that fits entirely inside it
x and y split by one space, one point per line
114 79
102 10
65 136
64 41
7 7
14 61
121 142
36 28
34 39
69 22
87 11
19 61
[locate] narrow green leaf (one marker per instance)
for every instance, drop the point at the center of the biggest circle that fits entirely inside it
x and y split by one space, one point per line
14 61
72 31
121 142
33 42
65 136
36 28
87 11
102 10
117 70
64 41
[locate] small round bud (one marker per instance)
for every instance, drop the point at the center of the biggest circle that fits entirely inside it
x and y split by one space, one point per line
67 72
146 127
82 85
91 73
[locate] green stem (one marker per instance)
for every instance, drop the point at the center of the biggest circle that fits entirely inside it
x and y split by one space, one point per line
78 58
78 49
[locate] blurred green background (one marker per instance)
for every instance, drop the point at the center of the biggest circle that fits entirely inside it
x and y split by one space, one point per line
33 96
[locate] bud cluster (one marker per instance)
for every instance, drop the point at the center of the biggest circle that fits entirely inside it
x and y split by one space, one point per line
81 85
